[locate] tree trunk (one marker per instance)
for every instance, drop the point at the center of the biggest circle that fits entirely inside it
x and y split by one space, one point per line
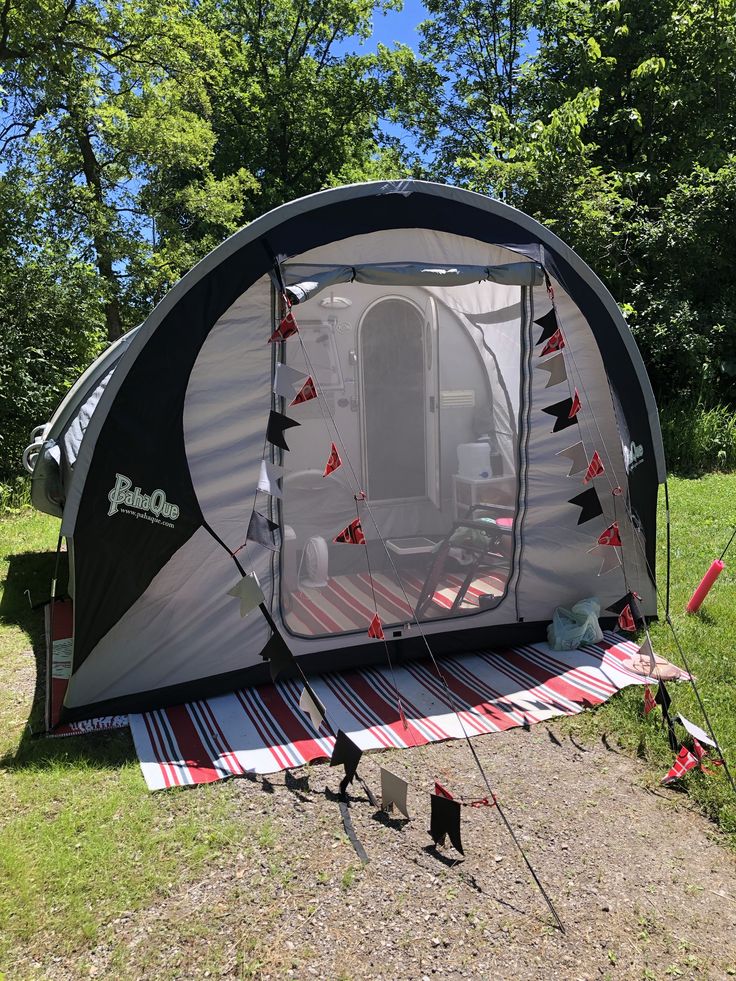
100 235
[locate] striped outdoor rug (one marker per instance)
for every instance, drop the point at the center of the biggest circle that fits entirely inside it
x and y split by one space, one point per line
346 602
263 730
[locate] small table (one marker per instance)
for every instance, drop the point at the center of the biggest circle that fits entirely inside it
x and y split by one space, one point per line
468 491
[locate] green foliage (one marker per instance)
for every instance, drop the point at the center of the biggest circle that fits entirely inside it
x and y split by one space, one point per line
698 439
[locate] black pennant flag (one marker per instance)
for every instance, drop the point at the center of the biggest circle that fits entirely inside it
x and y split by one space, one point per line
260 529
278 655
589 504
628 600
445 820
549 325
662 698
348 754
561 411
277 424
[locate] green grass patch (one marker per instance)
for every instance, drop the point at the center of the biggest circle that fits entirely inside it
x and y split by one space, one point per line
698 439
703 515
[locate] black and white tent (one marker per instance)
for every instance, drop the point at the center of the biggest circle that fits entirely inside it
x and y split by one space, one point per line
493 444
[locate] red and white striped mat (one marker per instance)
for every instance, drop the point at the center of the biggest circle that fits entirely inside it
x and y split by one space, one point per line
263 730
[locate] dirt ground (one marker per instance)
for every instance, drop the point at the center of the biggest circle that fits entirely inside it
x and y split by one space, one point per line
643 884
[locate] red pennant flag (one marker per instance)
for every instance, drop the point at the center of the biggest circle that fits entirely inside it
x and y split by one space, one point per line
685 761
333 462
351 535
699 752
555 343
441 792
575 407
649 702
376 628
626 619
610 536
595 468
404 723
305 393
285 329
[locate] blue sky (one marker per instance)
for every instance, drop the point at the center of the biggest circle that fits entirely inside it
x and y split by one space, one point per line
398 26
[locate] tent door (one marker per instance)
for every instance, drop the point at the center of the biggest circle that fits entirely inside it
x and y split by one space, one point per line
432 400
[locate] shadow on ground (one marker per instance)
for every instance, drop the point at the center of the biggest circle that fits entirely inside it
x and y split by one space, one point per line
30 574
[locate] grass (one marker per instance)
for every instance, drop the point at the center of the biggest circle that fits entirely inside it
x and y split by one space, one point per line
703 517
83 841
698 439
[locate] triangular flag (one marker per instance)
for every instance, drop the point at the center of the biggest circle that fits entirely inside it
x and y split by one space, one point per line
442 791
577 456
630 600
662 698
555 343
348 754
445 820
649 702
589 504
285 329
610 559
626 620
285 380
249 592
699 753
260 529
595 468
351 535
269 480
575 407
556 368
277 424
564 416
313 707
305 393
685 761
376 629
610 536
333 461
548 323
645 651
278 655
696 732
393 792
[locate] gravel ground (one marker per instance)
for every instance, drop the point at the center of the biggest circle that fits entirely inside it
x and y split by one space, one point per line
642 882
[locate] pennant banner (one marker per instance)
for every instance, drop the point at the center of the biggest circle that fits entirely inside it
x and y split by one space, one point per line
269 480
610 536
645 651
249 592
555 343
649 702
286 379
278 423
394 792
442 791
696 732
685 761
577 456
260 530
333 461
575 406
626 620
628 602
445 822
589 504
548 323
278 655
610 559
563 413
595 468
313 707
346 753
556 368
351 535
376 628
287 328
305 393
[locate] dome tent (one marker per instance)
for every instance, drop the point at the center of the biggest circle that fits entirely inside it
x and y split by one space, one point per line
467 367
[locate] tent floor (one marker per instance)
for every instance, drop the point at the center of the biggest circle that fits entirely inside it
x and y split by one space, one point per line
346 602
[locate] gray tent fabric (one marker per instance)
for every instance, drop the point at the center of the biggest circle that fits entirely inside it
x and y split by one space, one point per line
420 309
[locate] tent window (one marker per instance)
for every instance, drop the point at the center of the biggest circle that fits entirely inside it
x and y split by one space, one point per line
392 368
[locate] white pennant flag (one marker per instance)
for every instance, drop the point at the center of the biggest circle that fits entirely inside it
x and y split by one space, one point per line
286 379
248 591
269 480
696 731
315 710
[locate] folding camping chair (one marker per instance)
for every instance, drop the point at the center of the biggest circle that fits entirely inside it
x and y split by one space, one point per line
488 527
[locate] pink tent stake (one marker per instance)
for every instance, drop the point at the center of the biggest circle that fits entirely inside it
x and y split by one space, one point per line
716 568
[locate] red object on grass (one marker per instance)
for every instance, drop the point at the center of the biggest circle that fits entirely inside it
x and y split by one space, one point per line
716 568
